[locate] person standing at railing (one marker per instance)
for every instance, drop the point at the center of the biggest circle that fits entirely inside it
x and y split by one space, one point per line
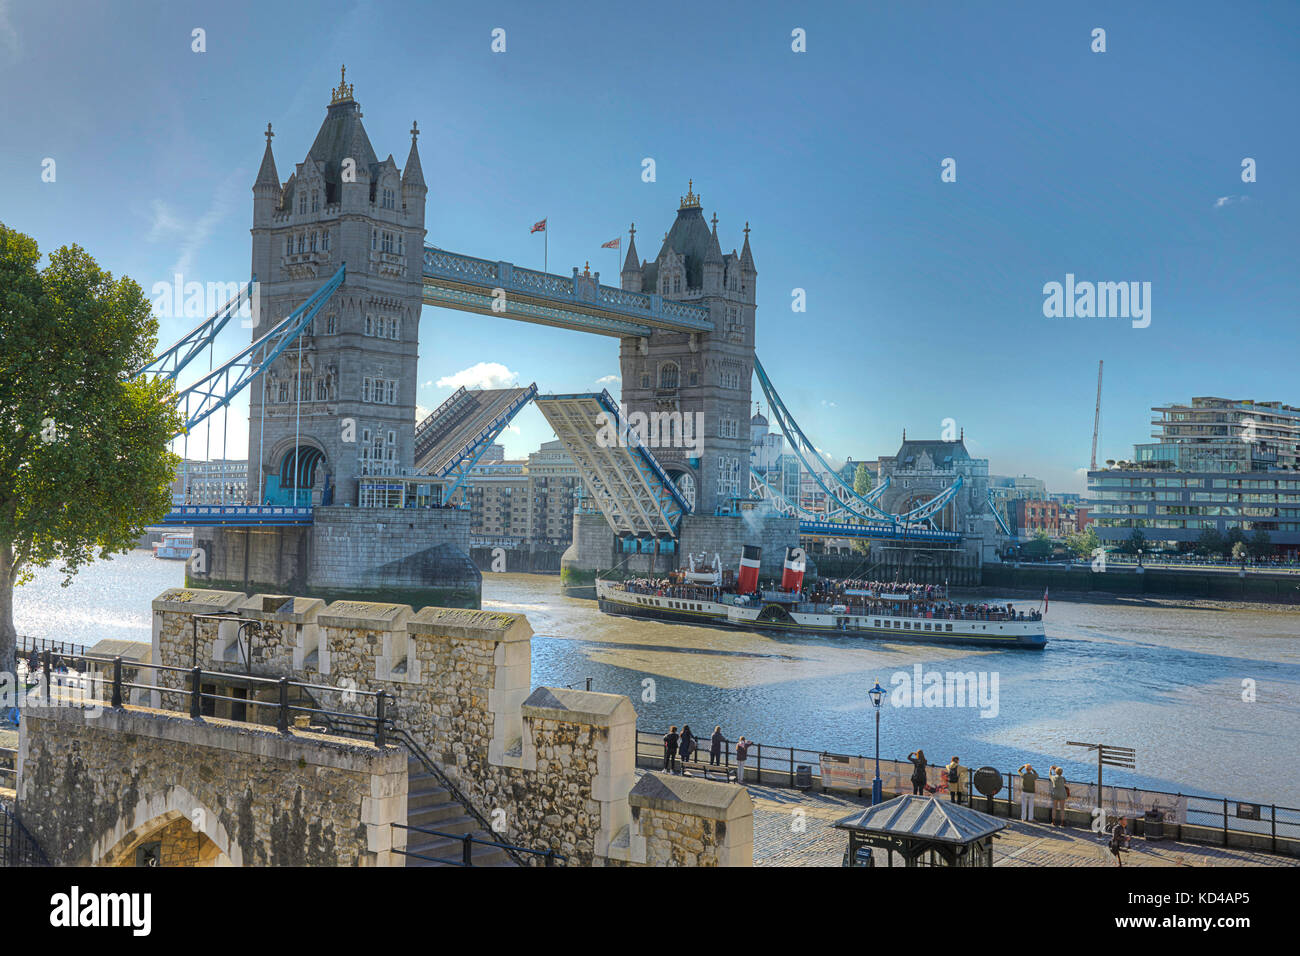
1028 784
686 745
919 763
715 747
670 749
954 780
742 754
1056 776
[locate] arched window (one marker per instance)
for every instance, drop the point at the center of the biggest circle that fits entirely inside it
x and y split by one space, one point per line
315 200
302 201
325 241
313 242
677 283
668 375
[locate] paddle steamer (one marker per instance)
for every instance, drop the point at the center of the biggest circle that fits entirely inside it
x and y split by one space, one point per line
903 613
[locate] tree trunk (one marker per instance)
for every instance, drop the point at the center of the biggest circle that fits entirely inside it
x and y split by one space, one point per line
8 636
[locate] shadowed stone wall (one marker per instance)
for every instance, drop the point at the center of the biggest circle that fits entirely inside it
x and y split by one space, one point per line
91 789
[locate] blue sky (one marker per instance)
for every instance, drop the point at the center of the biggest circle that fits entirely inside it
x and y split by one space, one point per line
924 298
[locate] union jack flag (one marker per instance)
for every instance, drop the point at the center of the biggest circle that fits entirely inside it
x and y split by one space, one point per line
538 227
613 244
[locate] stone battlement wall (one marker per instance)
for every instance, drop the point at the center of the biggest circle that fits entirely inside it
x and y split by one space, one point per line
91 788
553 768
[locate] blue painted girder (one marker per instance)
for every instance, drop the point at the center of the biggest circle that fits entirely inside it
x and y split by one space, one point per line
215 390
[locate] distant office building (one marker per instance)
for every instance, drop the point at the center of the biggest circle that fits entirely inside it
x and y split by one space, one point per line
1007 488
219 481
1219 464
521 502
1029 515
1076 519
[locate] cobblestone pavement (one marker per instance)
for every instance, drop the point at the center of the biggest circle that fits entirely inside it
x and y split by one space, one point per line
793 828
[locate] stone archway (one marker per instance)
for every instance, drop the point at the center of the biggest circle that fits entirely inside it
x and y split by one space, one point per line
190 834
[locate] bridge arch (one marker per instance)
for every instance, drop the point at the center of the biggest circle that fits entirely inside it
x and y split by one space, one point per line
157 813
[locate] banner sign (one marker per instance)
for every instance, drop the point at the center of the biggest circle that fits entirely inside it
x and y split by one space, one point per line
845 773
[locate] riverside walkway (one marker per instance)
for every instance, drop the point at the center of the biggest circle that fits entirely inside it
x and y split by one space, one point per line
795 828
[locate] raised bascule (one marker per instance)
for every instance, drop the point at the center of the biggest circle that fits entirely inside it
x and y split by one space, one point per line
353 497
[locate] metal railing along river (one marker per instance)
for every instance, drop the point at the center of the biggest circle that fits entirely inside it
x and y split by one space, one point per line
778 766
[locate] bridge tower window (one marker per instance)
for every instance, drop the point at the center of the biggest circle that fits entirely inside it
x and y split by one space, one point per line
668 375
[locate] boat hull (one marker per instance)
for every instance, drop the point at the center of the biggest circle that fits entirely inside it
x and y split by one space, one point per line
1020 635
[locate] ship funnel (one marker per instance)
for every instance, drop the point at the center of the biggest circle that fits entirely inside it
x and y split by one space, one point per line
792 576
747 581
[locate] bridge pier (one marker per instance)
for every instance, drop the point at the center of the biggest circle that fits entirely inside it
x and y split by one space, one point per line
416 556
595 547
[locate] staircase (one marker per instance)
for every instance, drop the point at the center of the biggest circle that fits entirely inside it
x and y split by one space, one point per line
429 804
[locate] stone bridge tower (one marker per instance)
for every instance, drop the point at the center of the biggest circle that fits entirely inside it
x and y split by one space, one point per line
704 373
356 366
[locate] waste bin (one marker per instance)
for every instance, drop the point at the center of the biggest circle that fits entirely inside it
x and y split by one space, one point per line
1153 825
803 776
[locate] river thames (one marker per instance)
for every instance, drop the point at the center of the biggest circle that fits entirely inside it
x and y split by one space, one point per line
1167 681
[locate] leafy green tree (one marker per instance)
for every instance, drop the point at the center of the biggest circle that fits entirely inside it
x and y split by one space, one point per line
863 481
1238 550
1083 543
1210 542
1234 537
1137 541
1040 545
84 465
1260 543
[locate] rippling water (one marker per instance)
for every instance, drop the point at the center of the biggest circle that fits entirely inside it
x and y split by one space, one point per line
1168 682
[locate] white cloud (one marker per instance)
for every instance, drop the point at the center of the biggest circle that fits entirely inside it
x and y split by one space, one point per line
480 375
166 226
421 413
608 379
1229 201
826 404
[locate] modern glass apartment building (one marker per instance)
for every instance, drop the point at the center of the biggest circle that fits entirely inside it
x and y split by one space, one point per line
1223 435
1217 464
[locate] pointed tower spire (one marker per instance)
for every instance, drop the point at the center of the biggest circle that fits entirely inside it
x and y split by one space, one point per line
413 174
266 175
747 257
630 262
714 253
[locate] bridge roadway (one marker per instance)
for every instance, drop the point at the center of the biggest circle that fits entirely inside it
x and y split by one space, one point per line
578 302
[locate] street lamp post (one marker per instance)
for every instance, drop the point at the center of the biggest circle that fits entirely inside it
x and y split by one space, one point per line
877 693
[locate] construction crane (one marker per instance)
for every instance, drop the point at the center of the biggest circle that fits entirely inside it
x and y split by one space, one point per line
1096 418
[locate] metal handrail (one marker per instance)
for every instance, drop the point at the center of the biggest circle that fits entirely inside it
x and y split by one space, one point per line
468 842
17 845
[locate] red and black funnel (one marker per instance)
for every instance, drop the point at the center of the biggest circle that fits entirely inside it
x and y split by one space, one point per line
747 581
792 575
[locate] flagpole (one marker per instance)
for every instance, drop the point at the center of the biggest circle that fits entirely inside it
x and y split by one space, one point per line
546 246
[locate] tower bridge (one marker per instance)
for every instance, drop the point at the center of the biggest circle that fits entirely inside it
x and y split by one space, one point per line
339 250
